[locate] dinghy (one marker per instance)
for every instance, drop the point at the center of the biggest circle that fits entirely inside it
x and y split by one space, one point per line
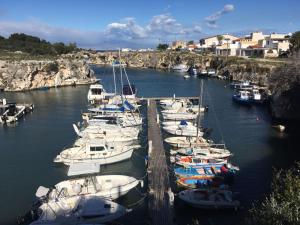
209 199
198 161
200 181
205 170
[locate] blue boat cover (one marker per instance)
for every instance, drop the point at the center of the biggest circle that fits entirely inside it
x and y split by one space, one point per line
128 106
183 123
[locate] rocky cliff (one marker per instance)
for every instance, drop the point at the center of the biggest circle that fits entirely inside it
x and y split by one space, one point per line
32 74
257 71
285 88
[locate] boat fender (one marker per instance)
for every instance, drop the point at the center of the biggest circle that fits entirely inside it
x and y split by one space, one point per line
142 183
77 188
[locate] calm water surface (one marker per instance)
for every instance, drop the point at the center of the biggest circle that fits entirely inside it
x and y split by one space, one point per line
27 149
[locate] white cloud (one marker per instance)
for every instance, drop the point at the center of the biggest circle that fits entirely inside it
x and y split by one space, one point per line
211 21
165 24
124 33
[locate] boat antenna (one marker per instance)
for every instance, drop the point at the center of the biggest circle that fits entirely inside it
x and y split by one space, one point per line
199 108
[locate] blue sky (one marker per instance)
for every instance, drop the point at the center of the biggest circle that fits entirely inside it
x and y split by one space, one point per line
111 24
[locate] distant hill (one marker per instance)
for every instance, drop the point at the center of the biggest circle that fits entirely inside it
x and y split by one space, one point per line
34 45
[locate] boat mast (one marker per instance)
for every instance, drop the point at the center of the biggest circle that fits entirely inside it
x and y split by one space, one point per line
114 73
199 108
121 75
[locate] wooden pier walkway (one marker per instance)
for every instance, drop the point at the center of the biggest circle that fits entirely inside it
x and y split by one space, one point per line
160 208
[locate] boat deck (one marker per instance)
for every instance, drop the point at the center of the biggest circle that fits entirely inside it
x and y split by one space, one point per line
160 209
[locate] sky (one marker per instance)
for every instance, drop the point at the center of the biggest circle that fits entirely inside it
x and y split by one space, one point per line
100 24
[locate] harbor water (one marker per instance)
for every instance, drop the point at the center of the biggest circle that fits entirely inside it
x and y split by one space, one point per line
29 147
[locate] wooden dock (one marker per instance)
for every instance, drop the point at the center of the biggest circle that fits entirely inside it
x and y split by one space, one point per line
160 202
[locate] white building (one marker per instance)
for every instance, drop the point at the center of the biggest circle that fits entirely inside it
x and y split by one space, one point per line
216 40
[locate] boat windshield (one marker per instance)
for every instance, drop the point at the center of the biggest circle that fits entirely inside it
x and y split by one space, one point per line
96 91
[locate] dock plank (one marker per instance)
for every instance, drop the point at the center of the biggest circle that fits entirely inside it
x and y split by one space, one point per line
158 176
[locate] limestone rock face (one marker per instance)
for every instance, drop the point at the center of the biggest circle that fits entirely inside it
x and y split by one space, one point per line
31 74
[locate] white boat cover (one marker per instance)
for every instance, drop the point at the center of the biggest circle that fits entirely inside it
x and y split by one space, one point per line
41 191
76 169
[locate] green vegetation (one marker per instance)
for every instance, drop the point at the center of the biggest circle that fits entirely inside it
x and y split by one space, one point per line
33 46
220 38
282 207
295 42
162 47
190 43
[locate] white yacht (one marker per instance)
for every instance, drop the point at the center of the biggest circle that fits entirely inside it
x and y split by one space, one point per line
105 186
96 152
106 131
71 210
183 129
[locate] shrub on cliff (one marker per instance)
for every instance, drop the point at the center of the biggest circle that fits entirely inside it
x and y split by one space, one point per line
34 45
282 207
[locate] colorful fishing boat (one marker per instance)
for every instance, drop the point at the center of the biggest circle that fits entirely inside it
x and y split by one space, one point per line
200 181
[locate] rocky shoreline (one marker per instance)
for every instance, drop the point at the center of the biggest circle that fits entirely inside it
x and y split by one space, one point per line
74 69
27 75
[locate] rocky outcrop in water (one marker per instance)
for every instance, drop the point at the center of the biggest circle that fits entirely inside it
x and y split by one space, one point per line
33 74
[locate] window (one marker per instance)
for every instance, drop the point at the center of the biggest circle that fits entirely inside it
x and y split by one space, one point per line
96 149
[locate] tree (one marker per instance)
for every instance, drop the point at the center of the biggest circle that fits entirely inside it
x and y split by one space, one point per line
190 42
220 38
283 204
162 47
295 42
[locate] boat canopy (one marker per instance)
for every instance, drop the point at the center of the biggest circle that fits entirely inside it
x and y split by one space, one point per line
83 168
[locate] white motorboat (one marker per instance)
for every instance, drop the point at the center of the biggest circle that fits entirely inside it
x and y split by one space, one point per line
180 68
185 142
108 131
209 198
183 130
71 210
106 186
191 109
116 140
180 116
215 153
186 76
96 152
176 123
98 93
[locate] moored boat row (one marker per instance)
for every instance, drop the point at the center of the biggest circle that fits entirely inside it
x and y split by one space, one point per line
200 166
106 136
